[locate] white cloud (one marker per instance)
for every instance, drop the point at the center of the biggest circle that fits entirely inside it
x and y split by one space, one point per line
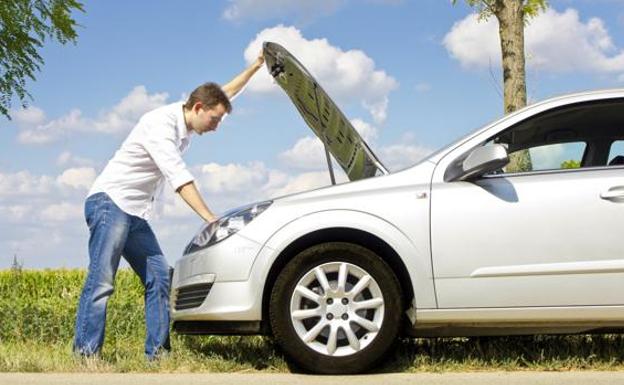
62 212
239 10
474 43
36 211
44 210
30 116
555 42
67 158
367 131
306 181
400 156
349 76
50 131
216 178
63 158
36 129
172 230
23 193
224 186
48 209
16 212
231 185
123 116
307 153
23 183
170 205
77 178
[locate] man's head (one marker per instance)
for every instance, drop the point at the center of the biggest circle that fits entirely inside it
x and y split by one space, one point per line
205 108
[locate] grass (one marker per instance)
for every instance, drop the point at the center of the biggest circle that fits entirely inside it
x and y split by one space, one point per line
37 310
205 354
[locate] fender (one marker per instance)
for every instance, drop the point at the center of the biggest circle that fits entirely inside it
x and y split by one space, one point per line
415 257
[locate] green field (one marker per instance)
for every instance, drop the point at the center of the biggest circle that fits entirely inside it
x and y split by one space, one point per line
37 309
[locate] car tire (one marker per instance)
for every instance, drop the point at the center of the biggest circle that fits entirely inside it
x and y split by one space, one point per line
343 325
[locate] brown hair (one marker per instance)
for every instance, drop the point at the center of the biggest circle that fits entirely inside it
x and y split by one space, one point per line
210 95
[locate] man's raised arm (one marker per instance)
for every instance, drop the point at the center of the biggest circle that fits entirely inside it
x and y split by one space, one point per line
235 85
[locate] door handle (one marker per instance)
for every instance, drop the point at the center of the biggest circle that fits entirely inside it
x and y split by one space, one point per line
613 194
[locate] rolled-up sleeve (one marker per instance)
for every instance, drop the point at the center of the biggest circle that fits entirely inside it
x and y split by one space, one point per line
161 144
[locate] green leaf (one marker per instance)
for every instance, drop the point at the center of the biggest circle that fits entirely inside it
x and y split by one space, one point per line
24 27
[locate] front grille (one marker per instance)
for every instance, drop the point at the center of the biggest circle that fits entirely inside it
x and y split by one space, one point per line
192 296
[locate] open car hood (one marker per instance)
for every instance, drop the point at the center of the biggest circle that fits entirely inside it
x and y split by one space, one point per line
322 115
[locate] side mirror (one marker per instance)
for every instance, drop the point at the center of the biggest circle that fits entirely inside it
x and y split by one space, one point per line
481 160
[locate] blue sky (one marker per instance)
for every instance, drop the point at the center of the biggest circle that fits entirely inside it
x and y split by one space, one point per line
412 76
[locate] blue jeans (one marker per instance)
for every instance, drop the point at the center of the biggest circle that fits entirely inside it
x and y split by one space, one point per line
114 233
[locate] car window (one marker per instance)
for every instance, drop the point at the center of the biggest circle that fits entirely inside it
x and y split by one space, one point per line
549 157
616 153
588 134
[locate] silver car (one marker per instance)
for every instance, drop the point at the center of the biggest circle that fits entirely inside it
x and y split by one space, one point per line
464 243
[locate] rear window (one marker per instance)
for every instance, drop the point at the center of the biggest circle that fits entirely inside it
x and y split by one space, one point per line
617 150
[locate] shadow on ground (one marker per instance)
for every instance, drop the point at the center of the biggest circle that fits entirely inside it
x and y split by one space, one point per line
544 352
441 354
257 352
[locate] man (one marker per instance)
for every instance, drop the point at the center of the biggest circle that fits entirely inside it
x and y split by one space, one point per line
120 201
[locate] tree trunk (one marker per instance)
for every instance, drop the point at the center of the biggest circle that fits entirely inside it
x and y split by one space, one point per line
510 15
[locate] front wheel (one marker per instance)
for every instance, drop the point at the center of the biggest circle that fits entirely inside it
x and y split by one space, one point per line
336 308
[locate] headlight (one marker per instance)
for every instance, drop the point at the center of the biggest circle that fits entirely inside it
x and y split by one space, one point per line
230 223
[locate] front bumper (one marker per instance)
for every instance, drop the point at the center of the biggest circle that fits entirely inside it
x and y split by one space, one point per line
213 284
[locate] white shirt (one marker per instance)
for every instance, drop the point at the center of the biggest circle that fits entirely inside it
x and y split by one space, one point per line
151 153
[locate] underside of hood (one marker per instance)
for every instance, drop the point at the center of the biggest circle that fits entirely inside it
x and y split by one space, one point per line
320 112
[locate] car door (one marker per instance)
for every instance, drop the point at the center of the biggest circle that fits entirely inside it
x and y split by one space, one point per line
548 236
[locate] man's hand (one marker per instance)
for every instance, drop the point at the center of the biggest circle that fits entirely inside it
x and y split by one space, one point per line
260 59
211 219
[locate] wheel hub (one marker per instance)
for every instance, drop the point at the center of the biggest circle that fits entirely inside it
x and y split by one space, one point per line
337 308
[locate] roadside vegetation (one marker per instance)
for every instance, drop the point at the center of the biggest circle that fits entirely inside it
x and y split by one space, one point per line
37 309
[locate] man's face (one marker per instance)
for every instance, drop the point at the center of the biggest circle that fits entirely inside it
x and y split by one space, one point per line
207 118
